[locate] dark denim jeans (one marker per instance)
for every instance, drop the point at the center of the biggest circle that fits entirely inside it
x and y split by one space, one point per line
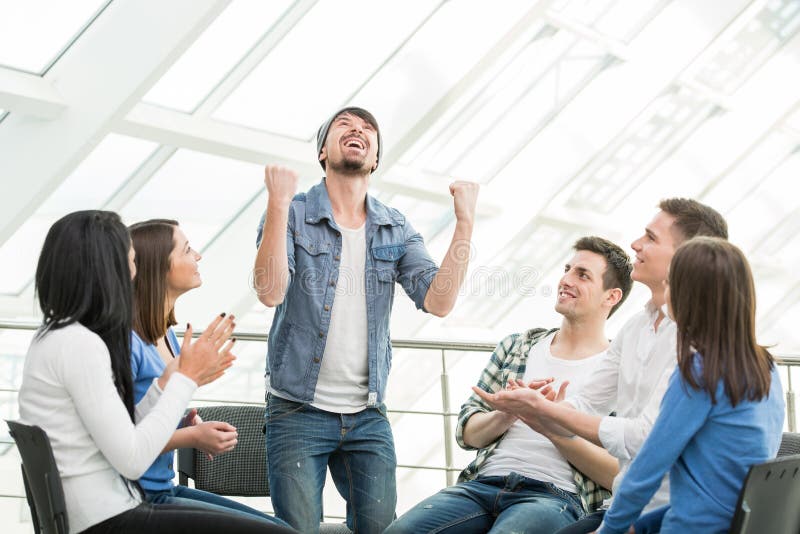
512 503
649 523
184 496
302 441
171 518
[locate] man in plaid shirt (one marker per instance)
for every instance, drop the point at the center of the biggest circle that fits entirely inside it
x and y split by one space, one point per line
522 479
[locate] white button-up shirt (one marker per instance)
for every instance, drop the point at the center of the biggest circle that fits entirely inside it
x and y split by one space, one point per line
632 381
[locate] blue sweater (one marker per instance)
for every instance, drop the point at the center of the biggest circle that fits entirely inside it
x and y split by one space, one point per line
146 365
707 448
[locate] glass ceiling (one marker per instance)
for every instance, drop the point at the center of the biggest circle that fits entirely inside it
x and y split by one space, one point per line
573 114
35 32
577 117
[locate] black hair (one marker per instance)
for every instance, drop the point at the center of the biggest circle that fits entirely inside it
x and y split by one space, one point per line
618 265
83 277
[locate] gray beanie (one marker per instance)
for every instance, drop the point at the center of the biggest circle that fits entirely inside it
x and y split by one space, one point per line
322 133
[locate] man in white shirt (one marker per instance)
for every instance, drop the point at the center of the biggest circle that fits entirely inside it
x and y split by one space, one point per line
634 376
520 481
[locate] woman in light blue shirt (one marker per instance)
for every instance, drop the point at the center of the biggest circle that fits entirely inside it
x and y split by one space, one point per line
723 410
166 269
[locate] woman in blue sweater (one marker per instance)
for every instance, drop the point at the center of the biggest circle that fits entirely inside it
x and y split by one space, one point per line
166 269
723 410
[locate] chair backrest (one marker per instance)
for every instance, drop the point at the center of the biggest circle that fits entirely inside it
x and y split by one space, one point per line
790 444
241 472
42 482
770 499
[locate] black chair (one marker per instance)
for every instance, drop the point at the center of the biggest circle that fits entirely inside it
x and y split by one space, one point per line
770 497
43 488
790 444
241 472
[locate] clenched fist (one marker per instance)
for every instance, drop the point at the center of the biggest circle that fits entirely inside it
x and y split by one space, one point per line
281 184
465 197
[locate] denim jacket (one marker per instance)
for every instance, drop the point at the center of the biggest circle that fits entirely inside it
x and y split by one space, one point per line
395 253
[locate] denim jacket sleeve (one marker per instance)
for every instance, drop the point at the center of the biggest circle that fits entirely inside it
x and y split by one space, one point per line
416 268
289 238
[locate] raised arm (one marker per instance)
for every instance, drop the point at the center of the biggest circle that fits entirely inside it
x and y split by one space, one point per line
271 269
443 291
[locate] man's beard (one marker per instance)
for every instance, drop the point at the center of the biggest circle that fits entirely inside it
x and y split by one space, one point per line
352 167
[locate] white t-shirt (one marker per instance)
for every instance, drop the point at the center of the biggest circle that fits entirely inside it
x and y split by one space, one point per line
343 382
525 451
67 390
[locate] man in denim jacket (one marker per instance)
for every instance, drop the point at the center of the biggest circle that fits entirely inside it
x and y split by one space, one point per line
329 259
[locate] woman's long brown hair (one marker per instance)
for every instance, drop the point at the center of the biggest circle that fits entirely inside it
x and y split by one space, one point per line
153 242
713 301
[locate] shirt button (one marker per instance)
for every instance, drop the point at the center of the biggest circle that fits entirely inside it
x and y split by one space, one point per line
333 282
327 308
316 360
337 258
322 334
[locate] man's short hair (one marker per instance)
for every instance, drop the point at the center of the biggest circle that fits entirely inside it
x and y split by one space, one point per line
693 218
618 265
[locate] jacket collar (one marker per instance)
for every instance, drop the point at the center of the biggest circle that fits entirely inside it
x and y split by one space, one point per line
318 207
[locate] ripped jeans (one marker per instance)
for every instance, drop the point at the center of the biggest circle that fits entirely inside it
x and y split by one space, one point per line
507 504
303 442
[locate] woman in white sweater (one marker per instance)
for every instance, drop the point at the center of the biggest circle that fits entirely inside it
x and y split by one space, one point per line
77 384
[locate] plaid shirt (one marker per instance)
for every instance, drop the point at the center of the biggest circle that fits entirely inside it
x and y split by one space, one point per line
508 363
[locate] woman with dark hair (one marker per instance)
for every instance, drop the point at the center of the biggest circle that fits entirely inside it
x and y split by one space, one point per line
166 268
77 384
723 410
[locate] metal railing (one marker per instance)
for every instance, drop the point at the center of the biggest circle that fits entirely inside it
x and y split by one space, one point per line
446 413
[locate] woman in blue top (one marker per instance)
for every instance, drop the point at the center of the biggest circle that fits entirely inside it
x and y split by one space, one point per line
723 410
166 269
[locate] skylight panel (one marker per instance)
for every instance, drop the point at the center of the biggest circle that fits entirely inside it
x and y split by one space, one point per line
33 33
221 46
90 186
749 48
317 67
201 191
435 59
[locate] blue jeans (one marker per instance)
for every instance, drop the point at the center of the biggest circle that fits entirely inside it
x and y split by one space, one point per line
511 503
649 523
303 441
184 496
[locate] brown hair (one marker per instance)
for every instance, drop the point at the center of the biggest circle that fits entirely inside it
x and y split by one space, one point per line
693 218
618 265
153 242
713 301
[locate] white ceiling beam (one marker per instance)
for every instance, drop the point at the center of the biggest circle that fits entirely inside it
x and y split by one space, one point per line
28 94
607 44
100 78
203 134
